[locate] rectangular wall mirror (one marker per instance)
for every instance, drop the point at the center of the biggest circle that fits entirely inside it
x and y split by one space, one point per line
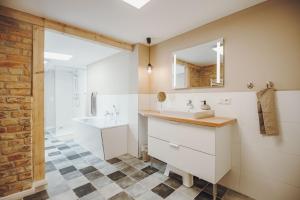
201 66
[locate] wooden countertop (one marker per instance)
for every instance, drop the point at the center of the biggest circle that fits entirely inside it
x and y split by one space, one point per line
211 121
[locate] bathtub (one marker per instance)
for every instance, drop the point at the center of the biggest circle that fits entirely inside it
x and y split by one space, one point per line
106 139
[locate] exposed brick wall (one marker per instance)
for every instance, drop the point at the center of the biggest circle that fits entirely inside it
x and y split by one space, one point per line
15 106
201 76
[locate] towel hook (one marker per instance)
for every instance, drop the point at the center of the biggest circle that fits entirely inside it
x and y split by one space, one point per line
270 84
250 85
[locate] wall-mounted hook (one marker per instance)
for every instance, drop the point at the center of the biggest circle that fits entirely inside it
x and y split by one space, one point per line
269 84
250 85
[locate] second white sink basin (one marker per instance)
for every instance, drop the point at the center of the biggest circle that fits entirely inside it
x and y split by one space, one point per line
194 115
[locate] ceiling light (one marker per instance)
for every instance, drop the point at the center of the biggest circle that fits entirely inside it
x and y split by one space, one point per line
57 56
149 67
137 3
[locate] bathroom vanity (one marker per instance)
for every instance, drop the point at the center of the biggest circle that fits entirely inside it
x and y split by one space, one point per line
198 147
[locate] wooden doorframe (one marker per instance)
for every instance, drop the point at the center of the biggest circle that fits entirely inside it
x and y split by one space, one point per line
38 135
65 28
39 25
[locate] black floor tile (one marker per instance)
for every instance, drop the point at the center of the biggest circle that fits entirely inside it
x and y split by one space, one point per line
74 145
221 190
84 190
87 170
199 182
129 170
139 175
113 160
69 153
72 157
63 148
72 175
121 196
60 160
163 190
85 153
175 176
173 183
61 145
54 153
67 170
116 175
150 170
50 166
69 141
204 196
125 182
93 175
50 147
43 195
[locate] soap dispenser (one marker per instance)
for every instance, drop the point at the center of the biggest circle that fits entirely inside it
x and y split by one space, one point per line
205 106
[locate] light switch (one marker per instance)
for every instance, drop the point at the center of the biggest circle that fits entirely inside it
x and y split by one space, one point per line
225 101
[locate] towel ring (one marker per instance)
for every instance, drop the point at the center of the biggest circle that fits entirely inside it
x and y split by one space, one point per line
269 84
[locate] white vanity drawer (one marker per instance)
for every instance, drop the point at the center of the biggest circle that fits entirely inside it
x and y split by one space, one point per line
191 136
188 160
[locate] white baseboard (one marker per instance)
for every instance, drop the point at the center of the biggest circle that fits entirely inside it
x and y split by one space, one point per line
32 190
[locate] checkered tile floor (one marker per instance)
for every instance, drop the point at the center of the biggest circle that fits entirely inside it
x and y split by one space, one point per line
75 173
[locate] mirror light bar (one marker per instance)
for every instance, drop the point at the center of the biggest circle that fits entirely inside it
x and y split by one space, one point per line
137 3
219 52
220 49
57 56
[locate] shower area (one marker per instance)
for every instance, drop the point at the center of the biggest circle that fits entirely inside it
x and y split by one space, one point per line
82 101
65 97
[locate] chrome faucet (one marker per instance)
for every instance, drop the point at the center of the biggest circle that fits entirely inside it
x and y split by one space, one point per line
190 105
116 112
107 113
113 114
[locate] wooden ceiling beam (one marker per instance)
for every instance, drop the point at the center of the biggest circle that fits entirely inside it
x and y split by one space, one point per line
64 28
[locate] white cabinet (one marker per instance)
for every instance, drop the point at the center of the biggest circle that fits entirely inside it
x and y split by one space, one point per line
202 151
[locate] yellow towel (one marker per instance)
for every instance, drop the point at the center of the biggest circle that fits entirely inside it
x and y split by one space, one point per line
267 112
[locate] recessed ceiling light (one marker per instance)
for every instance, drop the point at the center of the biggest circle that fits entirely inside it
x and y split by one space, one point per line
137 3
57 56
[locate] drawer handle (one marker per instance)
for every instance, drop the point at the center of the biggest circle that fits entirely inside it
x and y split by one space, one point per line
174 145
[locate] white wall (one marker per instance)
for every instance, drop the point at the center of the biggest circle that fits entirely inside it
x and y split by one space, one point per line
62 100
263 167
113 75
49 99
115 80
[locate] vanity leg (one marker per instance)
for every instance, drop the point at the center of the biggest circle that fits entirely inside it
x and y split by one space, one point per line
214 191
167 170
187 179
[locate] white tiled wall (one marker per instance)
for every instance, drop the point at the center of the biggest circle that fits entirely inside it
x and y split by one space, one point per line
106 102
263 167
127 105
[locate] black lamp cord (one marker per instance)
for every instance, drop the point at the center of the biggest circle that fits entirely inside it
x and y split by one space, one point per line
149 42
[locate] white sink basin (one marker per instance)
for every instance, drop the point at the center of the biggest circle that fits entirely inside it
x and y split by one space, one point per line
194 115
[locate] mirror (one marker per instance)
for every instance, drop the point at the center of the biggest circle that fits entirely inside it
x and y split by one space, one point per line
199 66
